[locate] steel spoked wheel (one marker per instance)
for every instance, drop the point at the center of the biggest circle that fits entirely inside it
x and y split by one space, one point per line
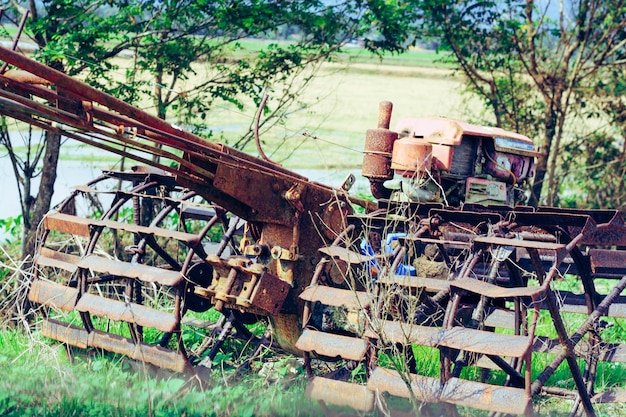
123 278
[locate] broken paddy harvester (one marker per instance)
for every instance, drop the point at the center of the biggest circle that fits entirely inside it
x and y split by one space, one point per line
445 288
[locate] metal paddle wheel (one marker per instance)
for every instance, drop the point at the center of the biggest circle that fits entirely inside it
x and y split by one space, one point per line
119 263
526 309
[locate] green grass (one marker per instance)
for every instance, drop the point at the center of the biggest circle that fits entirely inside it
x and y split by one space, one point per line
39 379
350 53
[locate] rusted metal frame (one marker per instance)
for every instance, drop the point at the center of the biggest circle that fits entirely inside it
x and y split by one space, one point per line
598 216
468 266
445 354
294 248
13 86
591 299
531 329
478 315
137 212
227 236
178 313
76 336
554 218
162 125
29 114
520 317
601 310
240 160
100 279
478 319
521 329
66 82
464 216
133 292
450 316
590 369
116 121
95 235
566 343
215 330
88 92
148 161
82 289
25 84
203 149
225 332
108 148
583 266
103 137
151 240
418 237
606 234
306 313
63 205
43 110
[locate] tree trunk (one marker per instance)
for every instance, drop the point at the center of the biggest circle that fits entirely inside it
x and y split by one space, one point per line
541 168
44 195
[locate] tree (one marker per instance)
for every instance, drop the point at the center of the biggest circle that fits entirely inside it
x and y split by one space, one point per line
167 38
535 64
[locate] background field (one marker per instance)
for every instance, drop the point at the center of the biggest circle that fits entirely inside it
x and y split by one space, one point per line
343 101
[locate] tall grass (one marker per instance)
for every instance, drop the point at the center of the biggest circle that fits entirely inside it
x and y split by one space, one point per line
43 379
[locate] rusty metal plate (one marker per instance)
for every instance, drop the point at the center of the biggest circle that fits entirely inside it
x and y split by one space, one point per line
128 312
605 261
332 345
65 333
429 284
79 337
155 355
340 393
53 295
530 244
455 391
66 223
270 293
472 340
495 291
51 258
131 270
262 191
347 255
81 226
336 296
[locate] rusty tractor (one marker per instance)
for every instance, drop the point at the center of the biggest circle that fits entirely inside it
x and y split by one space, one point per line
445 288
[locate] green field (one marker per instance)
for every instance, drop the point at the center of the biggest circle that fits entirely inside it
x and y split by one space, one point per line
341 104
